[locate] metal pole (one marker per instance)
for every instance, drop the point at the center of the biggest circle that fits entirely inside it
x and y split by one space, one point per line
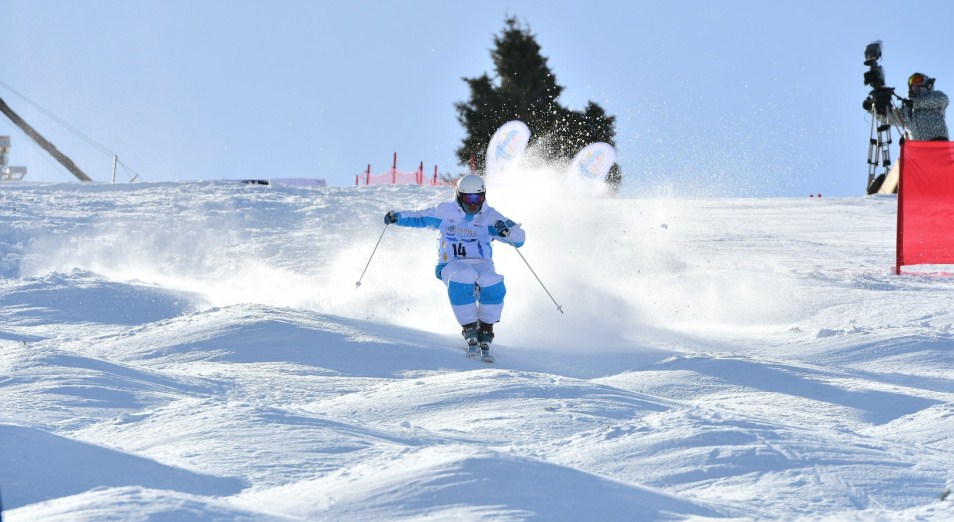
356 285
115 161
560 308
42 142
872 149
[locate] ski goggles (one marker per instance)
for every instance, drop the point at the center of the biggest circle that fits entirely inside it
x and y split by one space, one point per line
916 80
472 199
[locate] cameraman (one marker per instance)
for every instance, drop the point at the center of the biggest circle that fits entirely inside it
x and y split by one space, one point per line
922 117
922 114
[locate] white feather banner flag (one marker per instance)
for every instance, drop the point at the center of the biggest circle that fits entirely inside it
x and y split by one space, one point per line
506 146
593 162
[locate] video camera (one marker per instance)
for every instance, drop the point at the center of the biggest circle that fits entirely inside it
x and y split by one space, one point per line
880 95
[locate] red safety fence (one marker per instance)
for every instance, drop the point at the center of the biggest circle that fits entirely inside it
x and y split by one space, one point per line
393 176
926 204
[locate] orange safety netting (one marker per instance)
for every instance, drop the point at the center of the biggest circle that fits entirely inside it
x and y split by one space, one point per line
395 177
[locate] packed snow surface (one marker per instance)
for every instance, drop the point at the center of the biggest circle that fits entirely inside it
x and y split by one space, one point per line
200 351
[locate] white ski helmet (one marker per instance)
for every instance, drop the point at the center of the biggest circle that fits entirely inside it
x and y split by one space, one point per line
471 193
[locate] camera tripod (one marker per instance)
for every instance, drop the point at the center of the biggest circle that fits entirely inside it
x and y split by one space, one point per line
879 153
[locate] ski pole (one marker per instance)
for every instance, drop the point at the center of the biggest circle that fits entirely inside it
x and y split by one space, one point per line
356 285
560 308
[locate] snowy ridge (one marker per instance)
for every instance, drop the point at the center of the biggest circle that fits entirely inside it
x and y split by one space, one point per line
198 351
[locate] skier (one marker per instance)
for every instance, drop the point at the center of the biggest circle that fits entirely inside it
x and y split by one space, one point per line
465 258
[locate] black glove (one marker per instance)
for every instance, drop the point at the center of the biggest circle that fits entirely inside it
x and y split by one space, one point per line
502 228
390 217
908 103
867 104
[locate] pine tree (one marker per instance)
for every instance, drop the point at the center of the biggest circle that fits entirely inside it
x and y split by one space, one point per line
525 89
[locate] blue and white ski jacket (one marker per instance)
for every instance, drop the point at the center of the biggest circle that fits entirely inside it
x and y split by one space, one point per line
463 236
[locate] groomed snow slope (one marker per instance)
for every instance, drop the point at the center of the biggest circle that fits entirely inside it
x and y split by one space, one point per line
199 351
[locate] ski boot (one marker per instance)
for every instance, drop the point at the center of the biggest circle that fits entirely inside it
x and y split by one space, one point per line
470 334
485 336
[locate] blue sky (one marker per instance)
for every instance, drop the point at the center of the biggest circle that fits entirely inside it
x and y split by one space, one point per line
731 98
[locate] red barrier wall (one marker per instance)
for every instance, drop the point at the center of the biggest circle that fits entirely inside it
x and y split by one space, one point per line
926 204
